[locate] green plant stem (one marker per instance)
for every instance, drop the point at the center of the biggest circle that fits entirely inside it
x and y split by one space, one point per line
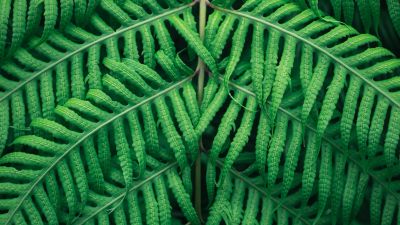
200 87
201 66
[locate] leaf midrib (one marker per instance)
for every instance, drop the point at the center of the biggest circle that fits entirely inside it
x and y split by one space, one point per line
312 44
88 45
85 135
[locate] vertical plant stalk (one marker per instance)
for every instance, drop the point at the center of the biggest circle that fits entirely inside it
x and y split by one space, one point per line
200 89
201 65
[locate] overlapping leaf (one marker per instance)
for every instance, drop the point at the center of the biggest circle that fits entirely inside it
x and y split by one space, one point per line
86 105
338 86
99 121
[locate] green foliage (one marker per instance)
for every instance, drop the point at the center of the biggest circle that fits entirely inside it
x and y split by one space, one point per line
373 16
108 110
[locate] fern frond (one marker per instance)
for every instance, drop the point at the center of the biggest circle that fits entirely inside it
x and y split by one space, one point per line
366 16
152 190
325 60
315 170
82 123
270 211
23 17
101 121
337 47
64 51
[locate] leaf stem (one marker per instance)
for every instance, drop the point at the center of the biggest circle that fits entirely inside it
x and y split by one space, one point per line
200 88
201 66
